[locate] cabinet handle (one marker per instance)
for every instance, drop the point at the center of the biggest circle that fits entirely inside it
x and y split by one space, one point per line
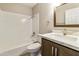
56 51
53 51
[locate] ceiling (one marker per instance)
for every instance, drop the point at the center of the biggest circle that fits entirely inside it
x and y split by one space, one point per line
29 4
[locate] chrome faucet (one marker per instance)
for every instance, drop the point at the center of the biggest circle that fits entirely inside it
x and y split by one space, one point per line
64 31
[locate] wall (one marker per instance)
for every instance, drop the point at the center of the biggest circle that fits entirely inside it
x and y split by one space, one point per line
45 17
16 7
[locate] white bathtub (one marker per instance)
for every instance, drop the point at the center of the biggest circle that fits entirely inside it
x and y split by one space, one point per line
13 50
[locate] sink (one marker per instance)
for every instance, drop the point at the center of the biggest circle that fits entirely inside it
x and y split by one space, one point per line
54 34
71 38
58 36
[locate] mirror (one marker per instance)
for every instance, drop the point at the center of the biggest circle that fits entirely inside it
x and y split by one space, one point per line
67 15
72 16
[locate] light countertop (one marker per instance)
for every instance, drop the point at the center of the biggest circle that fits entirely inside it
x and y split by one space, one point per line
62 40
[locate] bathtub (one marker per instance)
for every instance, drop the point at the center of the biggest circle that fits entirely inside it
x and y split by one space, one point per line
14 50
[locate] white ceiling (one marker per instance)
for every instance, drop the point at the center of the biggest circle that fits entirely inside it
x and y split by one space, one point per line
29 4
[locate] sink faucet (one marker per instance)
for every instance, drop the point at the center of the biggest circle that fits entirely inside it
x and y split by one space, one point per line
64 31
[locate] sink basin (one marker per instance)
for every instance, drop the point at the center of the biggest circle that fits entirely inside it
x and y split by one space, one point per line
71 38
58 36
64 37
54 34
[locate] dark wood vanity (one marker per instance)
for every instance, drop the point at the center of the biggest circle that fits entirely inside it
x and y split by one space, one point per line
50 48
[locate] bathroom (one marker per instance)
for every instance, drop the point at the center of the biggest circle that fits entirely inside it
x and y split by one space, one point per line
27 29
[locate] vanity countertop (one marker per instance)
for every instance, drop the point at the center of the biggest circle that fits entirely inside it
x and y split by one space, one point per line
62 40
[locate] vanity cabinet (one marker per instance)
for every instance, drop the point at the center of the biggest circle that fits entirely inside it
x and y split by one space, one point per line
50 48
46 48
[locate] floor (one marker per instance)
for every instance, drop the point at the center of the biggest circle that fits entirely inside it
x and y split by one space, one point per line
31 54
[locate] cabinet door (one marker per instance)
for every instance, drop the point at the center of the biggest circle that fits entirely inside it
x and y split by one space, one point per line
46 48
64 51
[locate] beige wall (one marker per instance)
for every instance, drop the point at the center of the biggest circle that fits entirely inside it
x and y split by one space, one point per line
45 17
16 7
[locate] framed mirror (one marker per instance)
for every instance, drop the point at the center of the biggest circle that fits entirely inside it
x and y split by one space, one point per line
67 15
